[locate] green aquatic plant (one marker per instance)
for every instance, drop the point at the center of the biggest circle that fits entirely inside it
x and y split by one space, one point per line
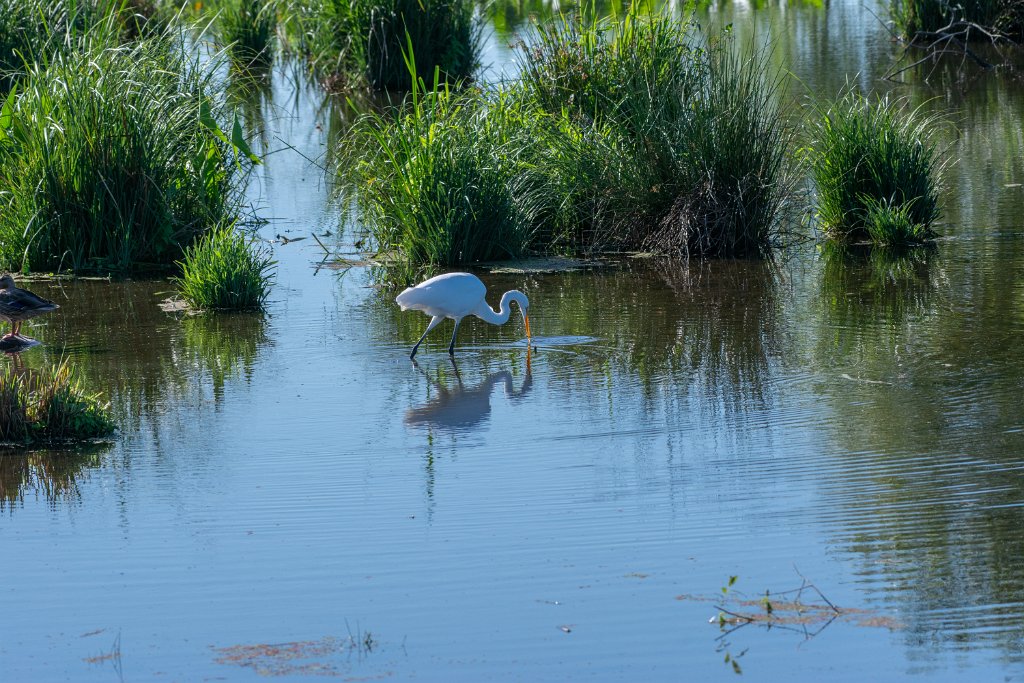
875 166
226 270
443 181
248 28
365 43
667 141
112 158
49 405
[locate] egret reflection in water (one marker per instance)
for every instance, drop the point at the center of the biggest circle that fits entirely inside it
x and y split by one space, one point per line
462 408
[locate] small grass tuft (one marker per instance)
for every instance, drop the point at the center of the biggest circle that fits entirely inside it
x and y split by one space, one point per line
893 224
443 182
875 166
226 270
49 405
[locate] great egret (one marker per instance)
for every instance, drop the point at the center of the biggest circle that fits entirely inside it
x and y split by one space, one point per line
456 295
18 305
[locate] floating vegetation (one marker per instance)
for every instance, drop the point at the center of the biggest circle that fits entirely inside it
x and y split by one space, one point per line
875 167
354 44
328 656
226 270
49 405
112 159
784 611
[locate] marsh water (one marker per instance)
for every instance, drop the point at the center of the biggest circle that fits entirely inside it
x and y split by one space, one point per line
290 496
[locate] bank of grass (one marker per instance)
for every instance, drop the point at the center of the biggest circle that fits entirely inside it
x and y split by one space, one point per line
631 133
112 160
49 405
876 169
353 44
226 270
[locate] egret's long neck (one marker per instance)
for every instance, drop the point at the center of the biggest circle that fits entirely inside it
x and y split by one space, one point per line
485 313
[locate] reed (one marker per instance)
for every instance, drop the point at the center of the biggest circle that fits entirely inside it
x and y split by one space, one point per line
226 270
32 31
875 166
112 158
670 141
49 405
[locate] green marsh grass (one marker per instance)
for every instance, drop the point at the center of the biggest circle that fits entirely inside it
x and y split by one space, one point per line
670 141
49 405
226 270
443 182
876 169
248 28
112 160
629 134
32 31
364 43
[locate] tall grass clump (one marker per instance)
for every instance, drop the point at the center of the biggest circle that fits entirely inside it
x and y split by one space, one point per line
363 43
669 141
48 405
226 270
248 29
112 160
443 182
875 165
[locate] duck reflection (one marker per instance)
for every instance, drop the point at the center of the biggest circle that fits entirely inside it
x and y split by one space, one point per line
461 408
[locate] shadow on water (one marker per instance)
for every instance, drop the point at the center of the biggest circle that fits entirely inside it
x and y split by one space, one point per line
462 408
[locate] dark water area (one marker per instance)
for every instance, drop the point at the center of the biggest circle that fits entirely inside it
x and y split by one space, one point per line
289 496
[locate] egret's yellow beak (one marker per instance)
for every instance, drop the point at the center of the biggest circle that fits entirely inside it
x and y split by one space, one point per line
526 320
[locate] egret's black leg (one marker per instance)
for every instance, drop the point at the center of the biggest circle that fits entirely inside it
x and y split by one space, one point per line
433 323
451 347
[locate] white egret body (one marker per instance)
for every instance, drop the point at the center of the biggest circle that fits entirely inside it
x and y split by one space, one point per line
456 295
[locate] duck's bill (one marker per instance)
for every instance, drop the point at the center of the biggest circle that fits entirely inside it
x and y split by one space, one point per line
526 321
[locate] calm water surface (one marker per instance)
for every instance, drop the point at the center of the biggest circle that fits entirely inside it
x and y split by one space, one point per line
290 496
